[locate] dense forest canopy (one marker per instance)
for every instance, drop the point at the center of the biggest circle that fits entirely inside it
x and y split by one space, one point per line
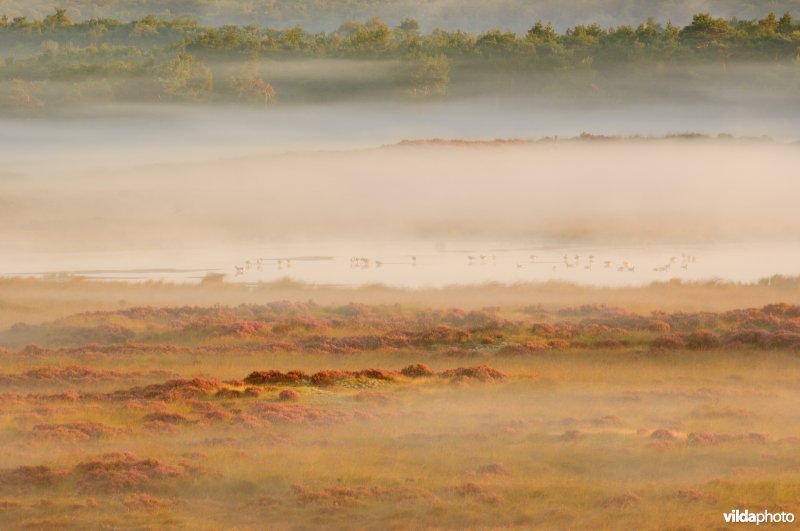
469 15
59 59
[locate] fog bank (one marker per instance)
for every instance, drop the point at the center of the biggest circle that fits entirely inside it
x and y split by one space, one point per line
614 191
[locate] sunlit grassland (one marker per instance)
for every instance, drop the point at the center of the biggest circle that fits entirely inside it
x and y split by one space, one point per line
190 417
565 441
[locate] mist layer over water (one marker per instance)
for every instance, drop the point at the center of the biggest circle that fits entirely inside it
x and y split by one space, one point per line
153 134
212 190
422 264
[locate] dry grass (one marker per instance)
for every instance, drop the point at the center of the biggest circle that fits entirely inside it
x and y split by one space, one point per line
424 420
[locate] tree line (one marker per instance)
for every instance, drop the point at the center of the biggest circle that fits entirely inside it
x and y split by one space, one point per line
471 15
181 59
771 37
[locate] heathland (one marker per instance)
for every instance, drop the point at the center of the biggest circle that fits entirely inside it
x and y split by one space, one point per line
536 328
552 415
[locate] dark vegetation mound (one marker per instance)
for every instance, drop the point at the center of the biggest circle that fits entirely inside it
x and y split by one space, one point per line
483 373
169 391
331 377
123 471
288 395
75 431
417 371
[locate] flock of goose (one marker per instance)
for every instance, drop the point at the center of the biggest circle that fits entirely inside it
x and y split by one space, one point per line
365 263
575 262
624 266
685 260
587 263
259 265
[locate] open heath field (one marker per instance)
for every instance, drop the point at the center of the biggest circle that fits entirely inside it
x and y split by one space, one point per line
303 415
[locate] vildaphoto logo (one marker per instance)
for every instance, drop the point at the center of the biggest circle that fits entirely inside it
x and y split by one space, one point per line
765 517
